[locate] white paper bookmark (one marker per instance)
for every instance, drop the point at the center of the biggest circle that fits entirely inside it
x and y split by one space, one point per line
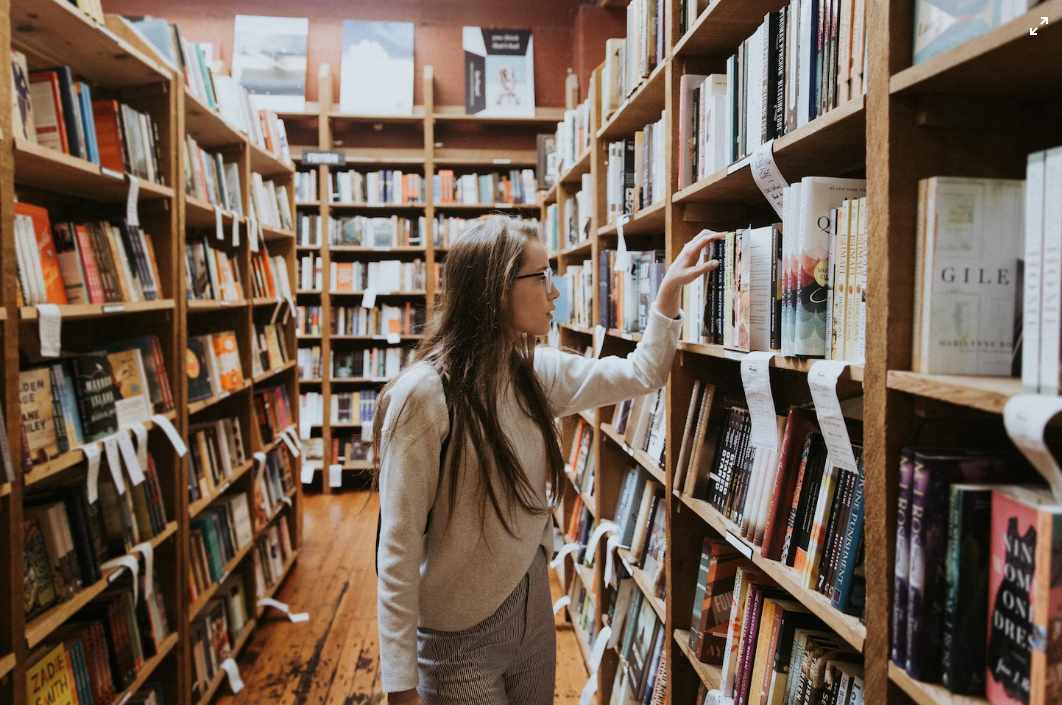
368 298
127 562
736 542
307 473
1025 417
756 376
132 202
235 230
766 175
610 565
171 433
287 500
148 553
92 455
599 339
561 604
235 682
623 258
50 328
286 609
252 234
288 442
291 306
276 311
294 436
589 690
260 459
605 527
132 463
219 228
394 338
823 382
335 475
600 644
140 431
114 462
565 550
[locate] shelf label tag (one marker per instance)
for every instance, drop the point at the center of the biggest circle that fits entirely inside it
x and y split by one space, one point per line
276 311
171 433
307 473
132 203
112 173
128 562
823 382
141 444
230 667
285 608
252 234
114 462
115 308
92 455
368 298
132 464
766 175
623 258
288 442
335 475
565 550
393 338
744 548
1026 417
561 604
599 339
235 230
148 553
218 225
50 326
756 376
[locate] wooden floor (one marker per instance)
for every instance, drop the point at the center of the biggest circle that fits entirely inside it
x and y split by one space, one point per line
334 658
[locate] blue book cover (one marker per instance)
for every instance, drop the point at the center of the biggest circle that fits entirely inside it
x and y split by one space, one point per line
88 122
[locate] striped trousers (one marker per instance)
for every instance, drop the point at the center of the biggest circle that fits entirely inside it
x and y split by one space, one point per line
510 658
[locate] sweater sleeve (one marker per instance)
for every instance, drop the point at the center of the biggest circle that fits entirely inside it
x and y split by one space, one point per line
415 423
575 383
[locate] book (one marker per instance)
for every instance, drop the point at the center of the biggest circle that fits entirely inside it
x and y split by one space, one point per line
377 68
39 253
97 395
23 124
39 587
38 413
228 361
132 404
499 72
199 386
50 677
940 26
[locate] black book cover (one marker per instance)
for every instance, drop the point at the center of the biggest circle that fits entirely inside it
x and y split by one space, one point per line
96 395
629 193
781 67
806 518
772 46
776 286
815 453
198 375
836 521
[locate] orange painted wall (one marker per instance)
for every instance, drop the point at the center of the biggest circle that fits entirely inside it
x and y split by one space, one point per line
437 39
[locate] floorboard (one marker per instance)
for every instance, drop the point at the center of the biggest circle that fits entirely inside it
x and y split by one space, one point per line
334 659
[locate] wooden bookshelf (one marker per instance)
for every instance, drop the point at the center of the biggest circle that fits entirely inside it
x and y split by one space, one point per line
50 170
90 311
711 676
928 693
220 677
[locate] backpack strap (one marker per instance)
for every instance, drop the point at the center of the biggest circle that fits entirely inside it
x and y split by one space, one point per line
442 460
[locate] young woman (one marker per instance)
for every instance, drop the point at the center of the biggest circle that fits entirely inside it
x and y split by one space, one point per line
464 601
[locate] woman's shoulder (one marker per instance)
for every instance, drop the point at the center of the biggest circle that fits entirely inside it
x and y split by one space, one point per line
415 401
420 381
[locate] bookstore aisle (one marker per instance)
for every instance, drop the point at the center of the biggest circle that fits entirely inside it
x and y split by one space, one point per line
333 658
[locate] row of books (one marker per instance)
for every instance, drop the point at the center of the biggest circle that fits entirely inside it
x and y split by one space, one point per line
642 520
209 178
1041 329
376 188
273 411
354 407
216 536
570 142
272 552
273 486
308 227
629 61
308 320
211 273
213 635
220 92
351 448
82 263
310 363
309 272
643 423
269 203
216 368
270 276
448 230
517 186
98 653
967 583
267 349
637 176
626 297
940 29
87 398
311 409
578 213
370 363
67 539
216 450
582 459
361 231
382 276
551 229
379 320
53 109
576 288
306 190
639 637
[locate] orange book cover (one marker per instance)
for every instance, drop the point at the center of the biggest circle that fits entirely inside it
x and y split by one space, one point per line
108 134
345 276
228 356
42 230
267 272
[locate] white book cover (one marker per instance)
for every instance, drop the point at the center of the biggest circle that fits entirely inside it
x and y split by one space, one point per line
499 72
269 60
377 68
761 294
1051 274
688 125
972 226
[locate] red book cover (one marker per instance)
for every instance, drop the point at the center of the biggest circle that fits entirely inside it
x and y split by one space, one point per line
108 134
164 379
1024 599
42 230
800 423
88 265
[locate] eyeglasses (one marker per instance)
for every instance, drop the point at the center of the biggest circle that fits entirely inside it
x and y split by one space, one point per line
547 277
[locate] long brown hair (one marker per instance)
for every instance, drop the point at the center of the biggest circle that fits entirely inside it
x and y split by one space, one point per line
470 341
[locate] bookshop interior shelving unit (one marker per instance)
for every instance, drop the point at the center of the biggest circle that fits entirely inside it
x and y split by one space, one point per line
118 64
433 137
913 122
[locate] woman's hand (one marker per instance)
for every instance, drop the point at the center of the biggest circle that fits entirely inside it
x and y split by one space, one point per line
404 697
683 271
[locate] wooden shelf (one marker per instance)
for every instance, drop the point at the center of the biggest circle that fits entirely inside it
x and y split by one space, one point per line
640 456
489 158
50 170
207 127
487 206
985 393
149 667
583 248
929 693
456 113
44 624
71 458
648 221
641 579
377 338
379 293
5 490
550 197
196 407
307 204
55 33
574 175
7 664
359 380
831 145
208 594
313 380
200 214
275 588
1004 61
847 626
271 234
196 305
711 676
416 117
194 508
264 163
220 677
624 335
721 28
265 376
401 249
577 329
265 301
84 311
795 364
642 107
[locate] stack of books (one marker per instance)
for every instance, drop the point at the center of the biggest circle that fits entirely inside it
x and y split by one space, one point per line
209 178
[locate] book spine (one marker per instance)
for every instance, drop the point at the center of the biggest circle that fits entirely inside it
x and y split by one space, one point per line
903 558
788 546
928 546
846 564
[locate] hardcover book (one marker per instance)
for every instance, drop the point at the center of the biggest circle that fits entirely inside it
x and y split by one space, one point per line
97 395
133 404
196 369
499 72
228 360
38 413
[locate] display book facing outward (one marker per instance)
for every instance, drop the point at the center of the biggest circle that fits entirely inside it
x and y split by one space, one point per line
95 481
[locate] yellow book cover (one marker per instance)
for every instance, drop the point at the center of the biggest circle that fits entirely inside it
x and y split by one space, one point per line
127 368
276 353
50 681
228 355
38 413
